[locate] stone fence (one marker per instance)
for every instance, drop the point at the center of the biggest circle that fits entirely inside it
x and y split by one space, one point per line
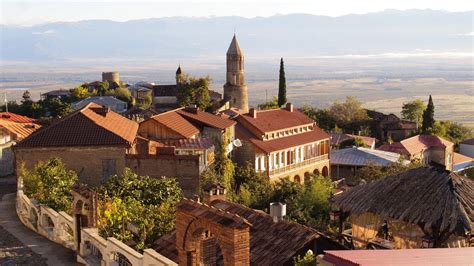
93 249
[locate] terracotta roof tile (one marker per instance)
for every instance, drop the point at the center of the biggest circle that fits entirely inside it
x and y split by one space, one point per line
270 243
206 118
90 126
282 143
432 256
16 118
416 144
276 119
175 122
20 130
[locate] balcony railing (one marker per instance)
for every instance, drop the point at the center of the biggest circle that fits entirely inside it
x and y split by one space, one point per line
294 166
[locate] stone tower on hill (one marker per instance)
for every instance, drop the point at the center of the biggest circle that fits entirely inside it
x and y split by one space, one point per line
235 90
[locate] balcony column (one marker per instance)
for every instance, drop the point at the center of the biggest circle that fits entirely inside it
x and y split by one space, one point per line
270 161
256 164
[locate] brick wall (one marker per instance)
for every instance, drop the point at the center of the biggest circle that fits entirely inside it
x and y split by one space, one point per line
184 168
86 161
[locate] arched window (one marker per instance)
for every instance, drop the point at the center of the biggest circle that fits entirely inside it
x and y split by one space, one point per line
325 171
297 179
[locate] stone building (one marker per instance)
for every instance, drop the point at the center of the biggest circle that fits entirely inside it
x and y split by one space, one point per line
235 89
391 126
419 208
427 149
92 141
282 143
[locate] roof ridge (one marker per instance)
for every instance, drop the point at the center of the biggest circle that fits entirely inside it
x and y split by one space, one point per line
104 127
234 215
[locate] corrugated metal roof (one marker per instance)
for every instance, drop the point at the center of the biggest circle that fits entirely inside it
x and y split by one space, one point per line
363 157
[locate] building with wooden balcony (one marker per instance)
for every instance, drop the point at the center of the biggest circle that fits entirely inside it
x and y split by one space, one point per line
282 143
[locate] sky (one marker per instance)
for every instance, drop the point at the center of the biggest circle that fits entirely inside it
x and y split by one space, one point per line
26 13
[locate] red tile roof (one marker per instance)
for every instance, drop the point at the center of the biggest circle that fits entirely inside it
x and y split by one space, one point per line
20 130
416 144
195 144
175 122
16 118
276 119
92 125
438 256
282 143
206 118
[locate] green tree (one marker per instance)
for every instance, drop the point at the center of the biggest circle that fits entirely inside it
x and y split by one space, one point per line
79 93
254 189
455 132
224 166
413 111
348 112
121 94
194 91
103 88
282 85
26 97
57 108
307 260
352 142
323 117
50 183
272 104
145 202
428 117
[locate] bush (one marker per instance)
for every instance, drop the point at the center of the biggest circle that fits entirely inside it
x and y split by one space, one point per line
50 183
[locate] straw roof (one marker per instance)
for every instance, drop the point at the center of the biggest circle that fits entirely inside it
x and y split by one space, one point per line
425 196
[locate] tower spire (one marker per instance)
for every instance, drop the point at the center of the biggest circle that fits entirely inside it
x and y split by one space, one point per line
235 90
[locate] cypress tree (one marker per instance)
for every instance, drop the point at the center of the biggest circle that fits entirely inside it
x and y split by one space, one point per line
428 117
282 85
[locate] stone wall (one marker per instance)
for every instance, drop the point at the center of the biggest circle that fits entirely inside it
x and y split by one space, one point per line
88 162
93 250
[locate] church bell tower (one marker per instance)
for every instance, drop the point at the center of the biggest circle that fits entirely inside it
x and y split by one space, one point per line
235 90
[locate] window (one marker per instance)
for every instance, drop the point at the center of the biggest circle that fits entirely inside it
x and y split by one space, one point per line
109 168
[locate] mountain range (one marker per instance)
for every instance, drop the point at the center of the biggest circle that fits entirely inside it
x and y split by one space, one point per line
303 35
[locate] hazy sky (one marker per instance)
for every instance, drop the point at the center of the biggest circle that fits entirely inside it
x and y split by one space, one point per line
20 12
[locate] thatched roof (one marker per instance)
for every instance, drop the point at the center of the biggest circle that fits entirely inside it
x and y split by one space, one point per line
425 196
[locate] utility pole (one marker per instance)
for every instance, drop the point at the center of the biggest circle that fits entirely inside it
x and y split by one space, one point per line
6 103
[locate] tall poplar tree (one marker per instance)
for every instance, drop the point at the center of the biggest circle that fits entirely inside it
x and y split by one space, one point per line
282 85
428 117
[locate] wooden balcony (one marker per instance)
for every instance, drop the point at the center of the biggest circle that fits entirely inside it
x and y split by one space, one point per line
294 166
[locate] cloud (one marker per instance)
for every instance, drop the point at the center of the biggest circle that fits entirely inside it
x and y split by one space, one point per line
43 32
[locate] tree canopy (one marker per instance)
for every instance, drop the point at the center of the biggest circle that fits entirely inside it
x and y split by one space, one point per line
282 85
272 104
50 183
194 91
428 118
413 111
142 202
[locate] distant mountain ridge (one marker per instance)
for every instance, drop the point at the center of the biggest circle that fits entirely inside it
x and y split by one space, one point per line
286 35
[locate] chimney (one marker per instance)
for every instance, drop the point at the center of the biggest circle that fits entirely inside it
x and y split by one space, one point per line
289 107
193 109
214 191
277 211
253 112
